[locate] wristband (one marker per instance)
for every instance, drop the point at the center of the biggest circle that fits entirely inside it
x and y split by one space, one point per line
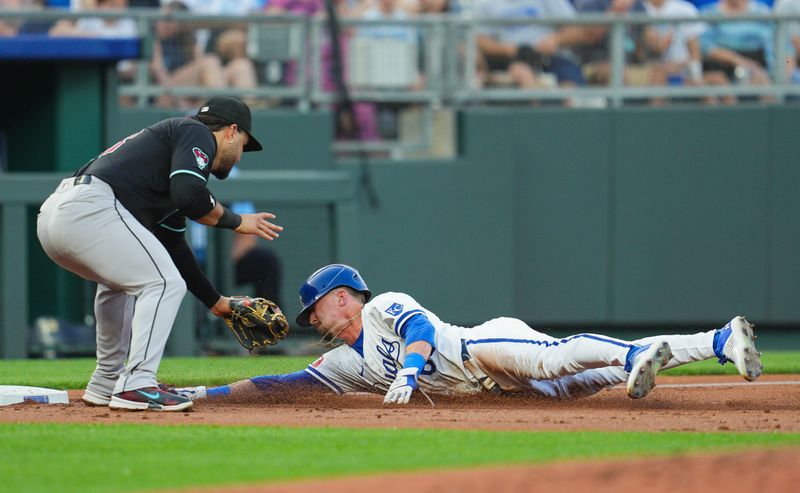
229 219
415 360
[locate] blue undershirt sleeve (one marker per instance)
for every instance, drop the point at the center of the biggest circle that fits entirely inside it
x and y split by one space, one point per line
418 328
289 381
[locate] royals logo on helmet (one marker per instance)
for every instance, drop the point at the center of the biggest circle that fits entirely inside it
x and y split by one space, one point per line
201 157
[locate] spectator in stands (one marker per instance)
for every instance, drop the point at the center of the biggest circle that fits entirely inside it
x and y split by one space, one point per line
391 55
674 47
703 3
533 55
229 41
364 117
434 6
10 27
792 7
738 52
98 27
595 52
419 7
179 61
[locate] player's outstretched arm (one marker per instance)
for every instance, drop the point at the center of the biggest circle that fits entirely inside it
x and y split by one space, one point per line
299 381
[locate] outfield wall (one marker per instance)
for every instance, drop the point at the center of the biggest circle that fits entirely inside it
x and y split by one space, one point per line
631 215
618 216
568 217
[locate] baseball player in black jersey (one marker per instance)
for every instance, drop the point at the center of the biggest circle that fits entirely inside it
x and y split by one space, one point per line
120 221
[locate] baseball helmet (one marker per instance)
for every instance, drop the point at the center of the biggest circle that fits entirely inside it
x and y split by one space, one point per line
323 281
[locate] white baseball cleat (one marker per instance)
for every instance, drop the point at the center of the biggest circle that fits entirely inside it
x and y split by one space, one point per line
736 342
91 398
192 393
642 364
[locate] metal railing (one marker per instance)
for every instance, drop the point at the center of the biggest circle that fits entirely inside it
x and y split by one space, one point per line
432 62
444 41
616 92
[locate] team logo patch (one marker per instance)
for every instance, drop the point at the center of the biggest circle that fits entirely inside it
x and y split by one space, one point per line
395 309
201 157
318 362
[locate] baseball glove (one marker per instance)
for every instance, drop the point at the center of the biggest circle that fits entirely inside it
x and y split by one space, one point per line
256 322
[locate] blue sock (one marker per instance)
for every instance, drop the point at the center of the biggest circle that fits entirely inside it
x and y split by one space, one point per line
219 391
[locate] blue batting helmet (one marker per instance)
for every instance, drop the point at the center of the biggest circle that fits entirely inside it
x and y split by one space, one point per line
323 281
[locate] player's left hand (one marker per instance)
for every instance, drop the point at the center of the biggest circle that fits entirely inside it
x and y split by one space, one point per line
402 387
258 224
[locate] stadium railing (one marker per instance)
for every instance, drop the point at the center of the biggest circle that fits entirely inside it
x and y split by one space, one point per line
426 62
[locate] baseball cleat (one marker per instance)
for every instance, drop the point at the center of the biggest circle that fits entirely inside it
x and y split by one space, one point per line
91 398
643 363
736 342
151 398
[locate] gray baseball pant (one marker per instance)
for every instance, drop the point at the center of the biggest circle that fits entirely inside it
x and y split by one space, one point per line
85 230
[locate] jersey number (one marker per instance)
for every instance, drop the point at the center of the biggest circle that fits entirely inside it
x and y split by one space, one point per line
118 144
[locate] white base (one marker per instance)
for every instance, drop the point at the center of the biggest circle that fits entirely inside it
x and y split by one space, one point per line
16 394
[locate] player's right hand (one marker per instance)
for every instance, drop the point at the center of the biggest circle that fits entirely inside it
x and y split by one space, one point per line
258 224
402 387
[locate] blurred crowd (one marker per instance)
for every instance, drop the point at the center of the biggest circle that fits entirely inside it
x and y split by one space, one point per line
667 53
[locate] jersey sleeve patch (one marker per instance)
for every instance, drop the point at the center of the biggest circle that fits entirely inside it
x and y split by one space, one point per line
200 157
193 149
395 310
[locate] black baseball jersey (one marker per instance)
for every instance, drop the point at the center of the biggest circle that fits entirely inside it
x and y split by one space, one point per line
140 166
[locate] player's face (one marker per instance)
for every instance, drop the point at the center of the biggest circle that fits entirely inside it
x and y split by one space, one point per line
229 153
323 314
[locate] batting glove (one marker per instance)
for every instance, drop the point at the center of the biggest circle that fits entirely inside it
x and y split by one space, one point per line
402 387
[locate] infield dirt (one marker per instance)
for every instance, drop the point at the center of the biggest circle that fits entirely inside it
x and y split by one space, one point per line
717 403
702 404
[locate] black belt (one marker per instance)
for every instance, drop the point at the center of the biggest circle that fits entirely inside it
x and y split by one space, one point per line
82 180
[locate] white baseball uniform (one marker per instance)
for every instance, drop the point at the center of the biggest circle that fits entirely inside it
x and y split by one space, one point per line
517 357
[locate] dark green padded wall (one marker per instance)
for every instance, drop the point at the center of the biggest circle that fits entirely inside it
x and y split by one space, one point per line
53 120
291 140
683 215
690 208
783 231
443 233
562 215
669 215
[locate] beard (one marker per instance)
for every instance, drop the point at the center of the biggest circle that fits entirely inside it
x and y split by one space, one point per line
223 170
221 174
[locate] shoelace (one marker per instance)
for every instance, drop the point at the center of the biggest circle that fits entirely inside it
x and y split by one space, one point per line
427 397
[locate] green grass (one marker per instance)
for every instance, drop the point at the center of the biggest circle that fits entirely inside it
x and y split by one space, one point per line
75 373
126 457
774 362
